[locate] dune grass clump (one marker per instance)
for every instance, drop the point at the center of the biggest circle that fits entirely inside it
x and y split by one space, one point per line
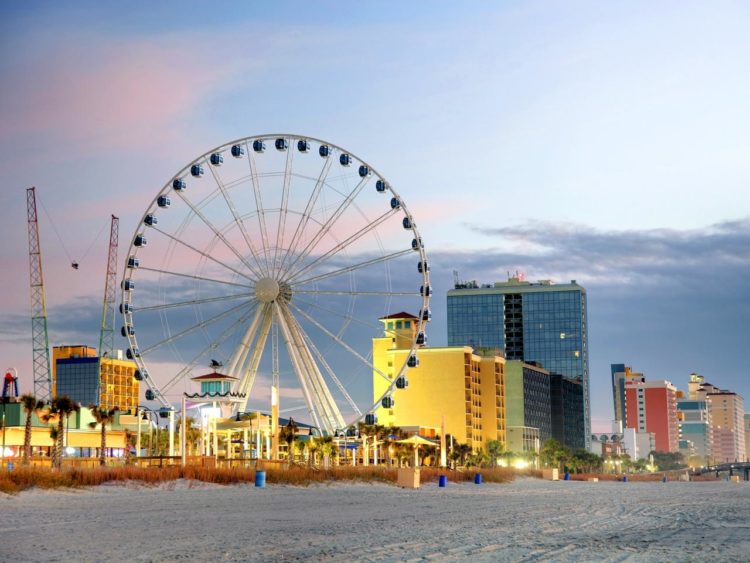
23 478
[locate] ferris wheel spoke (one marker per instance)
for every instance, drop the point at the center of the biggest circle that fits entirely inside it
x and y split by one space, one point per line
207 256
341 343
284 207
352 268
343 245
347 317
366 293
307 213
239 221
219 235
328 408
298 370
191 302
194 277
193 328
258 204
331 373
211 346
330 222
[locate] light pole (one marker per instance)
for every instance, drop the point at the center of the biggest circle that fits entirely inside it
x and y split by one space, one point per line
2 454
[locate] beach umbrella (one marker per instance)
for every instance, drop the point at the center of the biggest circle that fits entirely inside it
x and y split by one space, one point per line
416 441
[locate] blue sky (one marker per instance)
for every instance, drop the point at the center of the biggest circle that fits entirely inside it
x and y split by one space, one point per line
605 142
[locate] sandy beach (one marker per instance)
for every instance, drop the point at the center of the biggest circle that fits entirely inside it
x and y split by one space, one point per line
528 520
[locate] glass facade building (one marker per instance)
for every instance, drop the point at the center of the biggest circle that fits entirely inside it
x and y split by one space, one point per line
79 379
533 322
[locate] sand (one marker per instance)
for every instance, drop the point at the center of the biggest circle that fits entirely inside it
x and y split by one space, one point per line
528 520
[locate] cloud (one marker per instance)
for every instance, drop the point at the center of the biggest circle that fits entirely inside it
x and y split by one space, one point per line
121 94
666 301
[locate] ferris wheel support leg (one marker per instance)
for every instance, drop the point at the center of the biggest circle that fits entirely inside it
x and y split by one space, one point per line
171 432
297 365
240 354
248 378
329 408
319 384
275 386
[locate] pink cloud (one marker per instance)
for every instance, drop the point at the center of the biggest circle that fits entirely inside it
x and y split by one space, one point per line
118 96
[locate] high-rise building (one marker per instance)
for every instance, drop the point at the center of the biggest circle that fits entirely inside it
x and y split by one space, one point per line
620 373
651 406
695 428
727 411
527 397
566 403
747 436
88 379
465 388
533 322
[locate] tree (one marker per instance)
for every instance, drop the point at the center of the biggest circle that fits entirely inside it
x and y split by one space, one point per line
61 408
463 451
494 449
102 417
287 435
554 454
325 445
128 439
667 461
30 406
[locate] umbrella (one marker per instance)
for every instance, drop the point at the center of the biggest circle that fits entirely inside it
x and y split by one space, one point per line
416 441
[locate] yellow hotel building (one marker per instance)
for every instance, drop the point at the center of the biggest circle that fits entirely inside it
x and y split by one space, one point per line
452 382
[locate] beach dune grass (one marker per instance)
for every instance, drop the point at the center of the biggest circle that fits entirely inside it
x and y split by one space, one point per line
24 478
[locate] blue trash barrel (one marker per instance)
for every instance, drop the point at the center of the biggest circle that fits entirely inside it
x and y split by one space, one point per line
260 478
624 478
442 481
10 466
664 479
566 477
478 479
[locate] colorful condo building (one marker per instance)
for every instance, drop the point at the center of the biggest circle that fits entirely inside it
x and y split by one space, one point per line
651 406
79 373
726 411
542 322
465 388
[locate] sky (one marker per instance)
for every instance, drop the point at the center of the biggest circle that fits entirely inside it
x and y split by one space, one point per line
602 142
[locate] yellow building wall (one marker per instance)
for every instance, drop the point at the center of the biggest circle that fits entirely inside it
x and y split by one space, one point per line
118 385
492 391
451 382
438 387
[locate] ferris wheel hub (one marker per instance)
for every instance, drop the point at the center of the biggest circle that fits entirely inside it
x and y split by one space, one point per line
266 290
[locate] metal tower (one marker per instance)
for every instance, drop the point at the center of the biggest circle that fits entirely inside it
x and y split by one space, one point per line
107 335
39 337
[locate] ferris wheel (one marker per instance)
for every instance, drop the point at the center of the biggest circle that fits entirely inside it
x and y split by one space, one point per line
272 259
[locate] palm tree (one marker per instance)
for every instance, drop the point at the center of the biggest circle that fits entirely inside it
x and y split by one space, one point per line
463 451
61 407
53 433
494 449
287 434
326 447
128 440
312 447
102 417
30 406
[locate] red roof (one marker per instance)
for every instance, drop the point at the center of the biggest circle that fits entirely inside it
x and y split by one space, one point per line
401 315
215 376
